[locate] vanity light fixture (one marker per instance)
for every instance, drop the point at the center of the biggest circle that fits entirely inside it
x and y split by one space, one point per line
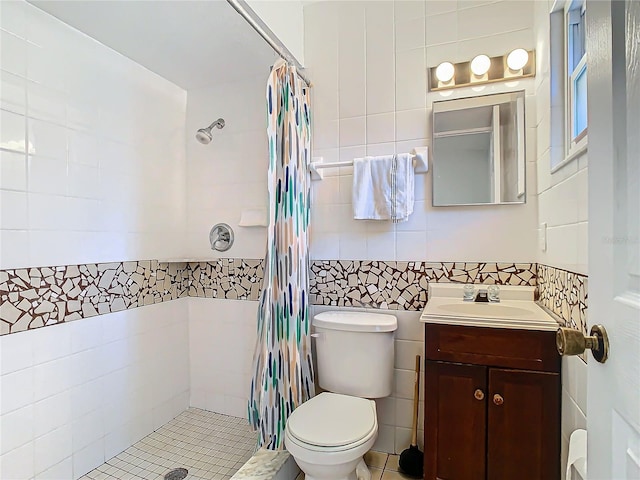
445 72
480 65
517 64
517 59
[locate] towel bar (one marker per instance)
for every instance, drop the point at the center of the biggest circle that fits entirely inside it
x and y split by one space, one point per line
420 163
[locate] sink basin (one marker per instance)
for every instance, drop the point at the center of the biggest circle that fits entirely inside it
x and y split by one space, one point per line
493 310
515 310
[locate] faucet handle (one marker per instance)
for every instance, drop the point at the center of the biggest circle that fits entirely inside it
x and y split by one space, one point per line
493 292
468 292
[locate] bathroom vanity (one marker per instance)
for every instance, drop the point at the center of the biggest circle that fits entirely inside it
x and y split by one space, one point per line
492 388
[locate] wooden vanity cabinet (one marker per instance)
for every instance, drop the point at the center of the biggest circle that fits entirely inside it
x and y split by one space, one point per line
492 404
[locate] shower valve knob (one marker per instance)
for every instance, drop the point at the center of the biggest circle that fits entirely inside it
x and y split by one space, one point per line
221 237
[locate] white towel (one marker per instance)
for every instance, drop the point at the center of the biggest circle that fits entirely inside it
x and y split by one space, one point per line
383 188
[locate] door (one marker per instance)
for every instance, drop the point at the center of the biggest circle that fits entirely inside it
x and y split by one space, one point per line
613 395
455 421
523 425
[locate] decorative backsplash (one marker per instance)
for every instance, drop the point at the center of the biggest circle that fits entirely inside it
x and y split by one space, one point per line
233 278
35 297
565 294
403 285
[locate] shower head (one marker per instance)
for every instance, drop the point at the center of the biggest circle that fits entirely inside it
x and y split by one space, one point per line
204 134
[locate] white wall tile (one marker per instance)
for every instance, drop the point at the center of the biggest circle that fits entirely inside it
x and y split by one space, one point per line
16 428
351 60
88 458
411 79
442 28
63 469
51 413
17 390
413 124
14 53
13 171
52 448
48 140
13 209
375 149
380 57
13 132
411 245
353 131
380 128
408 10
410 34
494 18
436 7
13 93
18 463
70 113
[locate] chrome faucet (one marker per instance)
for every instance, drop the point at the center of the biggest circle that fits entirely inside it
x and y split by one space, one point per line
482 296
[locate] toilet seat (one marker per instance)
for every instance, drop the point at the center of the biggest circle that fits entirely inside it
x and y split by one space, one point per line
332 422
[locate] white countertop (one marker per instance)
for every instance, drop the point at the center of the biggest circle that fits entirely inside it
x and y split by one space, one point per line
514 311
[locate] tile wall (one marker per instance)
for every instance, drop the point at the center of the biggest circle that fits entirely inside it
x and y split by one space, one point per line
92 171
78 393
225 177
368 61
87 151
562 199
562 195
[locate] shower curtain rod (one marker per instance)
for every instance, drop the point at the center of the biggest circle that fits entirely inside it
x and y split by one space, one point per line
265 32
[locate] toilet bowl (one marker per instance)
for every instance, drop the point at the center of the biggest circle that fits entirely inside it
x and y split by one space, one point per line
329 434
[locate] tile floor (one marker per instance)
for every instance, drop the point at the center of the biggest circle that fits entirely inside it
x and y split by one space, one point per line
209 445
383 466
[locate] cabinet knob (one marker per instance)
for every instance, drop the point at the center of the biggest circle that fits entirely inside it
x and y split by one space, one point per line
497 399
478 394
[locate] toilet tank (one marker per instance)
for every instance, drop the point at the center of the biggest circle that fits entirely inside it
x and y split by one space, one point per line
355 352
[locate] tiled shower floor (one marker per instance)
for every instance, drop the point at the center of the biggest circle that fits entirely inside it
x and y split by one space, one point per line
209 445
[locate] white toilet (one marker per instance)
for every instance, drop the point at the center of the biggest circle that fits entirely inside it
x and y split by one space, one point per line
329 434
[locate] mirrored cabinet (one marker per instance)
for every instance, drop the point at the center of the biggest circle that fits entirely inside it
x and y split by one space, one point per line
479 150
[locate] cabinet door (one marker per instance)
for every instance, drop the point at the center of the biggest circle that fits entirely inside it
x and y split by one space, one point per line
523 425
455 421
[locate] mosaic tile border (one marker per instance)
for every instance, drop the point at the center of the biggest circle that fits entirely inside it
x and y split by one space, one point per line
565 294
36 297
232 278
403 285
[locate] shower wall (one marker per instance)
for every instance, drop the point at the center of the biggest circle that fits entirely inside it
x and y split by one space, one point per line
92 161
224 178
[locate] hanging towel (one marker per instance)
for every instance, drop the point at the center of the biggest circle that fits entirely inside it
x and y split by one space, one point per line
383 188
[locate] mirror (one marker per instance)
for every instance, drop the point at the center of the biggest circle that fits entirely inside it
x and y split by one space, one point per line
478 150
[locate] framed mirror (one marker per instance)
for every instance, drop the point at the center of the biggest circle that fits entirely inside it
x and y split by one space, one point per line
479 150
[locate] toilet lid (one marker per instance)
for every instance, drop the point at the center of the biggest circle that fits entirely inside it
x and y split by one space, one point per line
332 420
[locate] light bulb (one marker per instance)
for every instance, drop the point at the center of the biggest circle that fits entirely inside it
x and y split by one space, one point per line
517 59
480 65
445 71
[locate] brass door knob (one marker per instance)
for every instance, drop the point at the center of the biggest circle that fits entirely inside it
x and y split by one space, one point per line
478 394
497 399
573 342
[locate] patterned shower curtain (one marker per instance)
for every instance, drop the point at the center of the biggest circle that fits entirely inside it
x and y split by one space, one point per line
283 370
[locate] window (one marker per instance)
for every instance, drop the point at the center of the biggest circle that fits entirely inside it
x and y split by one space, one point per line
576 71
569 82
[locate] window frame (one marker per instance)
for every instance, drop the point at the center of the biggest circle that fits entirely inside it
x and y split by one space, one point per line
570 146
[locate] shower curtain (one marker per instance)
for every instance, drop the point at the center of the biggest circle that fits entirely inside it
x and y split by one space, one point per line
283 370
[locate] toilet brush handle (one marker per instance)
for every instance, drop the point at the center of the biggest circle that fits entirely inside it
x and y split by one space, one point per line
416 399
